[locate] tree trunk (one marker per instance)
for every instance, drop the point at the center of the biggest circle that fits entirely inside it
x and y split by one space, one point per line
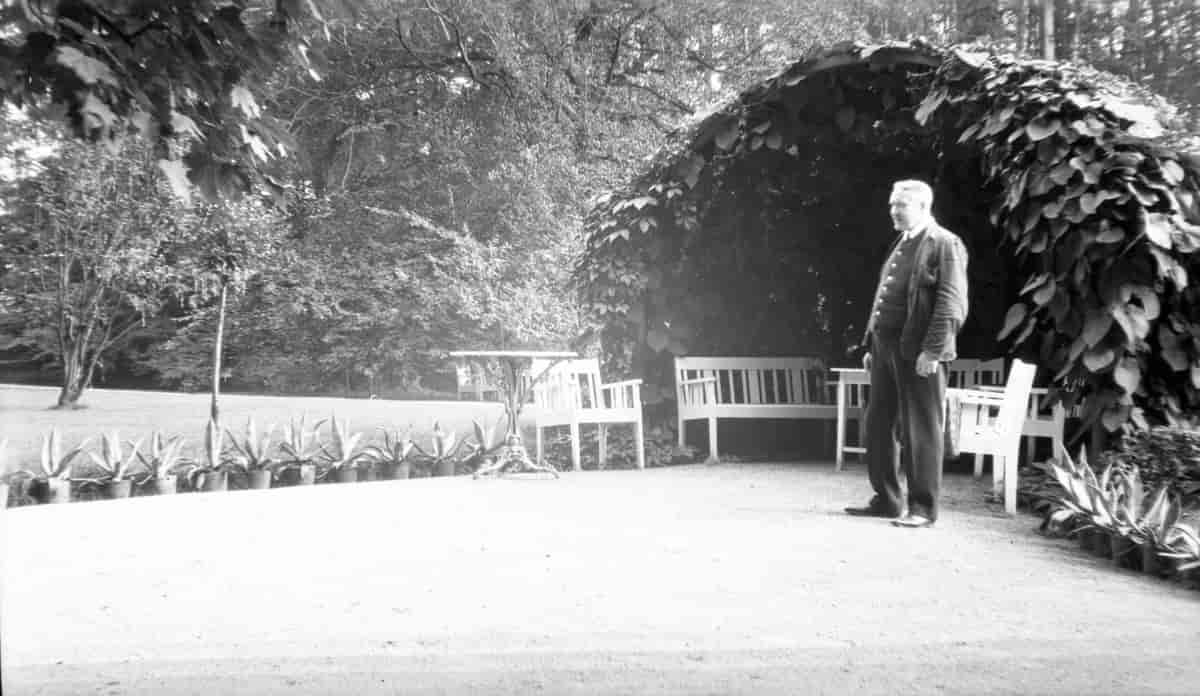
1133 46
73 379
214 412
1048 29
1022 26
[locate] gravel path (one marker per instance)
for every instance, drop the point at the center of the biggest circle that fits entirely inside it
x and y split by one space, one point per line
737 578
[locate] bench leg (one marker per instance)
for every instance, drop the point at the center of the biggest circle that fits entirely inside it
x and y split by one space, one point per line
639 444
576 463
979 466
838 454
602 448
679 430
538 439
713 458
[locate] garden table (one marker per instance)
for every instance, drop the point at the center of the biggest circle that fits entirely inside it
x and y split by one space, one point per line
513 369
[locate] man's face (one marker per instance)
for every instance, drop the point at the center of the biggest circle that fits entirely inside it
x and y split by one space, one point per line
906 212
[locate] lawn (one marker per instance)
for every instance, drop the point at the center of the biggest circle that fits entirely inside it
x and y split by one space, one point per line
26 415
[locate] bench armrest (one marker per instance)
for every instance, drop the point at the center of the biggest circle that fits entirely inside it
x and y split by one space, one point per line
622 383
977 396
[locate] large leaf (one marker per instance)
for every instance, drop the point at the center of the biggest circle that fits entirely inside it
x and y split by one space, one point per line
1096 327
1014 317
89 69
1098 358
1128 375
1158 228
1041 128
727 135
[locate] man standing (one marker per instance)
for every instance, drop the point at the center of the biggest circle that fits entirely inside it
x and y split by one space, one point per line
920 305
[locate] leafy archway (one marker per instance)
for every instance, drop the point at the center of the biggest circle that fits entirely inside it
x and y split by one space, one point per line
759 229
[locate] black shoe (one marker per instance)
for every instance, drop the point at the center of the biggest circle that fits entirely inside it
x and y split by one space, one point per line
912 521
871 511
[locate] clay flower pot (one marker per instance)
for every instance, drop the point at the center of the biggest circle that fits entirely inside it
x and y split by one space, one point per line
1152 563
368 472
300 475
216 481
1125 551
346 474
1101 543
118 489
166 485
258 479
48 491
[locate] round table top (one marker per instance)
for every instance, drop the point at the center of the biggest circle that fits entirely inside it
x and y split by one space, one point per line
512 354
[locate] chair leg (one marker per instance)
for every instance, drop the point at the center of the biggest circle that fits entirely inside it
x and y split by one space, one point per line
1030 448
997 472
1010 483
713 458
679 430
979 466
538 439
576 462
639 444
602 446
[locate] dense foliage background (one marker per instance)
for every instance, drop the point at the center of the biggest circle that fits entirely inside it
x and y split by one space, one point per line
418 170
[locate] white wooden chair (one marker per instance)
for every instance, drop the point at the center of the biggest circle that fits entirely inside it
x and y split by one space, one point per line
710 388
570 393
991 422
473 383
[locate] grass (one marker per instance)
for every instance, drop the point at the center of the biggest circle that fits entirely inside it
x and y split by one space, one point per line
26 416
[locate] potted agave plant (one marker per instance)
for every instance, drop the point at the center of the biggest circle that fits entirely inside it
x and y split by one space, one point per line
254 455
393 456
52 483
441 460
340 453
160 463
300 448
211 473
1156 528
115 465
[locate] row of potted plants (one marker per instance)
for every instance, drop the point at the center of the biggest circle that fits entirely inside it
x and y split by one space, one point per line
1111 515
302 455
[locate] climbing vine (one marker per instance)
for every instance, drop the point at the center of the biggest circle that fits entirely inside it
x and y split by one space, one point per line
1089 192
1104 220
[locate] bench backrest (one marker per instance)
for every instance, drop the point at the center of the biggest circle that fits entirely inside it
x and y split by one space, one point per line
568 385
797 380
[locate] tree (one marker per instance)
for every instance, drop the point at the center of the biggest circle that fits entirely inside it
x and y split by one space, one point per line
86 262
161 69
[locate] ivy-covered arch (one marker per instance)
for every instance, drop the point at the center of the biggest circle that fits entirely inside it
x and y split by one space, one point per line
760 228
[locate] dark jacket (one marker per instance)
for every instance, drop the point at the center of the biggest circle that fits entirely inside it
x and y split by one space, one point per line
937 296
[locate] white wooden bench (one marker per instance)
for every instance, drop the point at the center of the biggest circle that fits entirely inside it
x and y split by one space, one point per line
711 388
570 393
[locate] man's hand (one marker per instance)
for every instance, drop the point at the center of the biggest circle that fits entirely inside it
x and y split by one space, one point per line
926 365
867 361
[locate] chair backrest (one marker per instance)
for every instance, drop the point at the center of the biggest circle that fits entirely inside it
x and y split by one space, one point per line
567 385
988 373
1016 399
798 380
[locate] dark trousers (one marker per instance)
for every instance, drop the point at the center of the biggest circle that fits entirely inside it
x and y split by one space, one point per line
910 408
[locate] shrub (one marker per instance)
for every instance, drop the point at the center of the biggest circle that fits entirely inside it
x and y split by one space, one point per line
1163 455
